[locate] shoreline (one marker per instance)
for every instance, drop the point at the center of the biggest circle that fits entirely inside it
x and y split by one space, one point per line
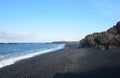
69 62
11 61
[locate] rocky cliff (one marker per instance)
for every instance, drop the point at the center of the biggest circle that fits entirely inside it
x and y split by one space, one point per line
104 40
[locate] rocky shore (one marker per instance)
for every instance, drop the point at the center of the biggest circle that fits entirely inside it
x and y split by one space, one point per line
74 62
104 40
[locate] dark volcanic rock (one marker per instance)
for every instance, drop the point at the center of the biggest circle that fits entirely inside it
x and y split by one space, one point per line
118 27
113 30
103 40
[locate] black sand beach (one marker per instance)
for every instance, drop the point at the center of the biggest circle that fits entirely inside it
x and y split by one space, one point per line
70 62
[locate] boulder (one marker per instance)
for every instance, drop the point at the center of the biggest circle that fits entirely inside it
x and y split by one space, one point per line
104 40
113 30
118 27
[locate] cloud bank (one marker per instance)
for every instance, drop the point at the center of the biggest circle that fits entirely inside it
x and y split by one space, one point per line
7 36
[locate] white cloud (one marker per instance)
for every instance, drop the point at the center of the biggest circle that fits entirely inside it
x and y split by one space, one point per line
7 36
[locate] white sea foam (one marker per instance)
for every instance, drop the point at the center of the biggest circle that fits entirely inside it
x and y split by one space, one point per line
10 61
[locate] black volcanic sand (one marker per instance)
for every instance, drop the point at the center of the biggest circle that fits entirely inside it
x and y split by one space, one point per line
68 63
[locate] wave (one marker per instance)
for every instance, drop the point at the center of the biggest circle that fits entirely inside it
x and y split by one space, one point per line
11 61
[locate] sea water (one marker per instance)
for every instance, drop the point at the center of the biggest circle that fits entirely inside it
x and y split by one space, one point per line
10 53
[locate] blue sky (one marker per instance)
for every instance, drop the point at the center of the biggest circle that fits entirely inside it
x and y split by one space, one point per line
55 20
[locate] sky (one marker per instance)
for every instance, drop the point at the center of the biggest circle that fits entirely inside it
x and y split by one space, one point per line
55 20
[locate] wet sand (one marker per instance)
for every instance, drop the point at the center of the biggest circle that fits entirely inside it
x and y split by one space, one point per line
69 62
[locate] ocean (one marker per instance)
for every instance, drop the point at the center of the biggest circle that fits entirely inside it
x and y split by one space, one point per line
12 52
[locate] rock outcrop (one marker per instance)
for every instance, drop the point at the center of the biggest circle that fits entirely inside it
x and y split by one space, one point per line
104 40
